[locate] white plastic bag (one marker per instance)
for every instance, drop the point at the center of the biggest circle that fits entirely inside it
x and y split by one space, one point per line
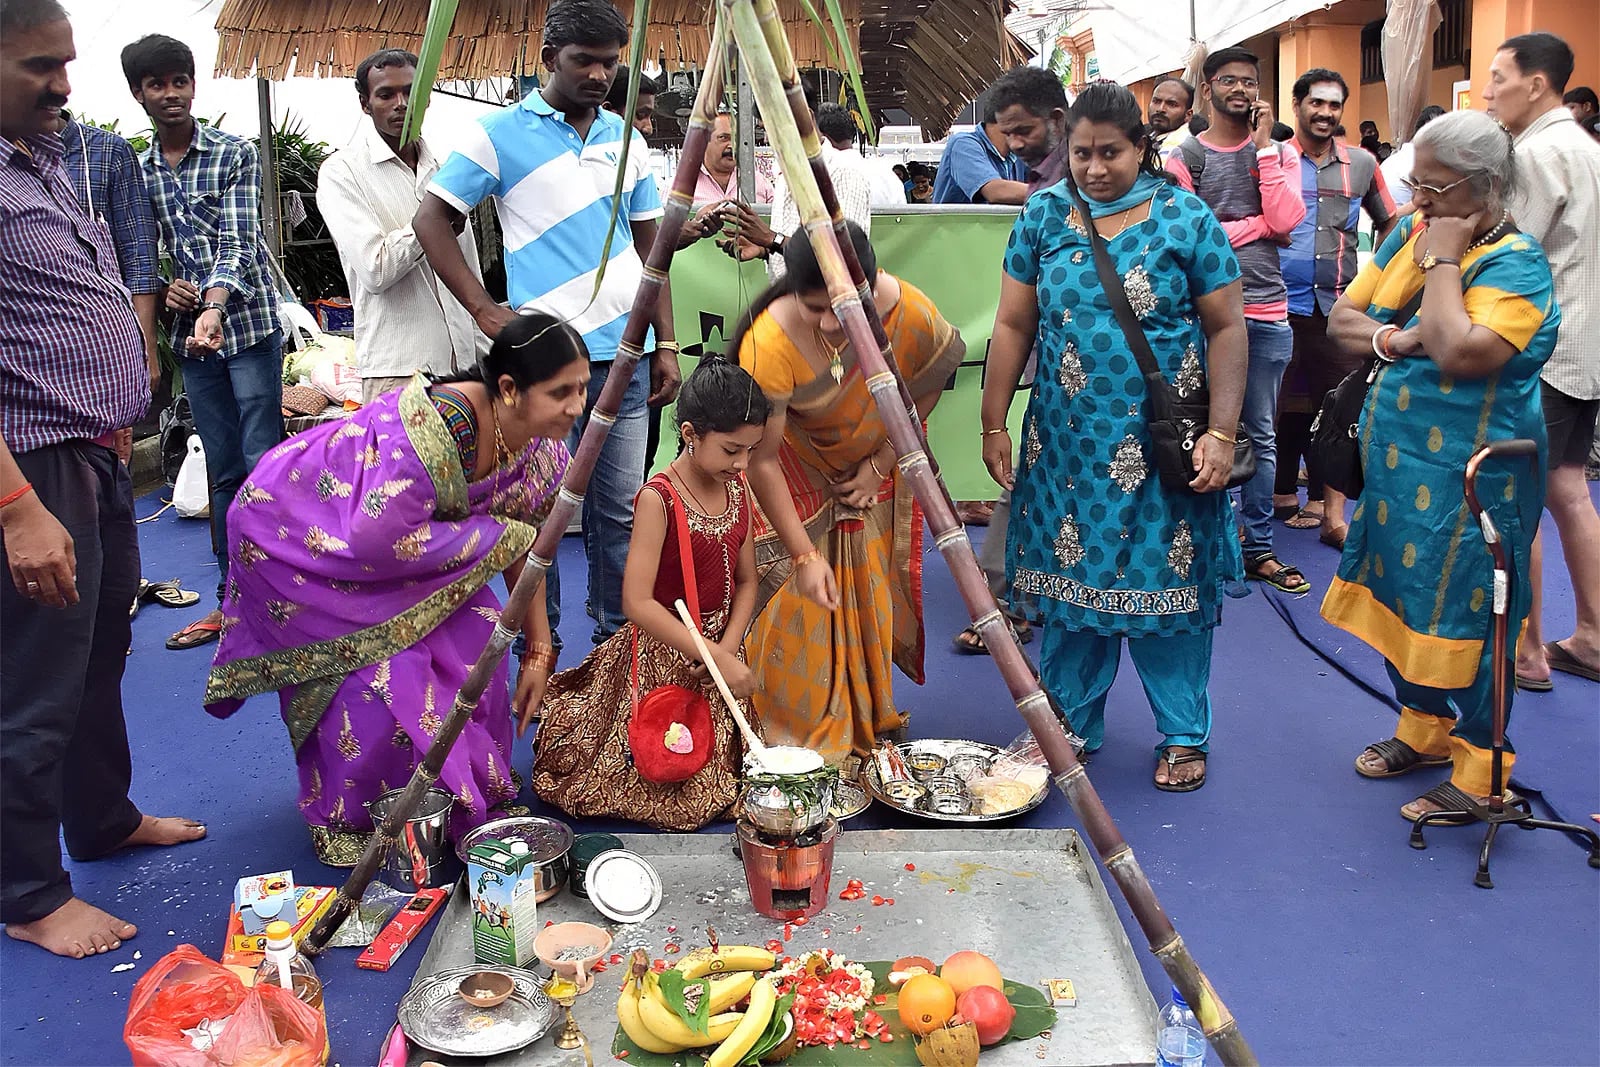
191 493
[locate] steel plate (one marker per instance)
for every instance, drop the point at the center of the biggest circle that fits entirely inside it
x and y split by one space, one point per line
433 1015
945 748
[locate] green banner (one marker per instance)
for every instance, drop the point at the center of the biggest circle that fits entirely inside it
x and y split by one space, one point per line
954 257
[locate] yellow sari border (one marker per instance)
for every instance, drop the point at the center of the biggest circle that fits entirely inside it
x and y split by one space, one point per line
1422 659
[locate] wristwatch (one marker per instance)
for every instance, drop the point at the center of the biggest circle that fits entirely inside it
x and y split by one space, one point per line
776 245
1430 261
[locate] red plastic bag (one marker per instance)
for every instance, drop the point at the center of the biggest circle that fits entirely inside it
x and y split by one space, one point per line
265 1026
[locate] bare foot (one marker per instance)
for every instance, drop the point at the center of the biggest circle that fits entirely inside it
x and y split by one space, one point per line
75 930
165 831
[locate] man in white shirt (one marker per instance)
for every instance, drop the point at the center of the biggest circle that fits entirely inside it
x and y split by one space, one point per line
1557 199
1397 168
851 184
405 320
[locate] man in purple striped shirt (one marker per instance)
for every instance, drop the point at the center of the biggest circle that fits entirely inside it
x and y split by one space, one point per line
72 372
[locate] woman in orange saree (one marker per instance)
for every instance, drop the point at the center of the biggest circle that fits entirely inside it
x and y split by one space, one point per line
835 512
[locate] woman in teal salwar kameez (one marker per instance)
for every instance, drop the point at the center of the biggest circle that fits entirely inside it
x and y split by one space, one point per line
1097 547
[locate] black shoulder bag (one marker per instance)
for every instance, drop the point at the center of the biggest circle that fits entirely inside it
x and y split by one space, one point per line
1176 420
1335 448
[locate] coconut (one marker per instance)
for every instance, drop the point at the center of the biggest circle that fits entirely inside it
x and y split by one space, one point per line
791 1041
953 1045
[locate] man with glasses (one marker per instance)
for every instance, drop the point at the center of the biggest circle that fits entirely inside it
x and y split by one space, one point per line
1252 183
1557 199
1320 261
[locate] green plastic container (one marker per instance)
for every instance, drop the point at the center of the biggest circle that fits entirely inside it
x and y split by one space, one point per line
585 848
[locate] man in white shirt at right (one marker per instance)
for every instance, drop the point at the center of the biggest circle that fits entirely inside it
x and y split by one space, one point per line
1557 200
368 191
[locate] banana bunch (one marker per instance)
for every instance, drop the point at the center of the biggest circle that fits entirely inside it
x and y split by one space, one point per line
654 1026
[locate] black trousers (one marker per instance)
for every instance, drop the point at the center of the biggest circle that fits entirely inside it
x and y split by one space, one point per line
65 768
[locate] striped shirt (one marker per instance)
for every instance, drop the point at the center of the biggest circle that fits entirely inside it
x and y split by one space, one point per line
1320 261
1558 201
103 171
209 211
554 192
71 352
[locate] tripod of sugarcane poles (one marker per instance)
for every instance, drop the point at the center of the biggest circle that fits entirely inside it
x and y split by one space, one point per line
757 29
1497 811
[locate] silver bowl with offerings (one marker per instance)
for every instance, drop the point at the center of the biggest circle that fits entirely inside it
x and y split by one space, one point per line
788 791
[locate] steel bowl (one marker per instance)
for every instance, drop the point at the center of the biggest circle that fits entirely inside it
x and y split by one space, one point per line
925 765
549 841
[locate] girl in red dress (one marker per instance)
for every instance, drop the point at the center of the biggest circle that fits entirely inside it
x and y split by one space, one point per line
583 760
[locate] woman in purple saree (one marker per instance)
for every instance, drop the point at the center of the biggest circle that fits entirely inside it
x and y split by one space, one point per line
360 557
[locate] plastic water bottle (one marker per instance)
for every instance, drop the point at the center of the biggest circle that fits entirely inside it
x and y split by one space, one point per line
1180 1042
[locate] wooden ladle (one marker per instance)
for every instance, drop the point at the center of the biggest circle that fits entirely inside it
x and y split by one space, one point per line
757 748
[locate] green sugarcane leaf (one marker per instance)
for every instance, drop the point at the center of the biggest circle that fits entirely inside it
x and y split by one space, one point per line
852 66
641 16
823 31
441 19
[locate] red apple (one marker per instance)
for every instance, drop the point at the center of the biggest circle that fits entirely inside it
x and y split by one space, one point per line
988 1009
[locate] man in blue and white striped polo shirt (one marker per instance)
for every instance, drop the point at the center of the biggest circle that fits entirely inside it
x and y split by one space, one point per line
550 161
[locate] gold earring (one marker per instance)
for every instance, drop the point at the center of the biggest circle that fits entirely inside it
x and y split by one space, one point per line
509 402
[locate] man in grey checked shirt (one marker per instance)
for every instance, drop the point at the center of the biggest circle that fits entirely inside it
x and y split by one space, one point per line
71 373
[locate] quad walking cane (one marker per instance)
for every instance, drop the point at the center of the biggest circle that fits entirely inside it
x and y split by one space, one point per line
1496 811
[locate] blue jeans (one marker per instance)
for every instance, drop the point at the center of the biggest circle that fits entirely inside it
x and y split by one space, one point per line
238 412
1271 346
608 503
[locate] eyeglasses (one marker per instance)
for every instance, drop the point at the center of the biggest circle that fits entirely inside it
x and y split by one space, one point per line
1228 81
1431 190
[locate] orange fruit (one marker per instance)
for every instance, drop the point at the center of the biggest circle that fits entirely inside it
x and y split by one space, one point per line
967 969
926 1003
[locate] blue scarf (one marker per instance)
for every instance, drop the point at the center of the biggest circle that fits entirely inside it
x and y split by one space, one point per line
1144 187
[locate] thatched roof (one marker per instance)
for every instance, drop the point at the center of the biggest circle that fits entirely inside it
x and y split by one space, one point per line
926 57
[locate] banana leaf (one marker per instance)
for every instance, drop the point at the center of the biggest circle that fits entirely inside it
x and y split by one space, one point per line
1034 1017
441 19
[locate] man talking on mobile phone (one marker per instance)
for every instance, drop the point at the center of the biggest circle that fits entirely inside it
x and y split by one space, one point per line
1252 183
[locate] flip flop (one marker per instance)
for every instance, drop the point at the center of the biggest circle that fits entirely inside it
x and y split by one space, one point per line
1564 661
1534 685
195 635
1284 512
1451 797
170 594
1173 759
1398 758
969 642
1303 520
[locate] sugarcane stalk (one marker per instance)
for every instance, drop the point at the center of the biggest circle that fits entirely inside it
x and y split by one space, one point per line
568 500
747 26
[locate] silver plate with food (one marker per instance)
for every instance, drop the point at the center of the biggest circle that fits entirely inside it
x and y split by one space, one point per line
956 785
433 1014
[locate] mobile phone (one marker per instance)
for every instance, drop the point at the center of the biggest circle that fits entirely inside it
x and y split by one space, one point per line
1255 115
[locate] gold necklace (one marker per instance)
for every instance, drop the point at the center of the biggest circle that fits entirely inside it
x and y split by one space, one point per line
681 480
835 356
1126 214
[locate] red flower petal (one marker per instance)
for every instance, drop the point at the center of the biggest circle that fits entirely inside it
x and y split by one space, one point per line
911 866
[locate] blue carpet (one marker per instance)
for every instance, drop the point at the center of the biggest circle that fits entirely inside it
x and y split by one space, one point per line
1288 876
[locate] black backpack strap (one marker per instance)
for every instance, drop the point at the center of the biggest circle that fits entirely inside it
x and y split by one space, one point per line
1194 157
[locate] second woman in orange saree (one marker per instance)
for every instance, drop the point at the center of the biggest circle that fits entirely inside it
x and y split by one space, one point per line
836 515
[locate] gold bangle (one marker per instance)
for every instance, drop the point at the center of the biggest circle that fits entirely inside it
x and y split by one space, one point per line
1219 435
1002 429
667 346
873 459
806 557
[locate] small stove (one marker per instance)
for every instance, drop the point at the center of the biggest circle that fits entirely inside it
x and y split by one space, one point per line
788 876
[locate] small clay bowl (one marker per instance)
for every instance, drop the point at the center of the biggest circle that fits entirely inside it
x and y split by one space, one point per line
486 989
553 942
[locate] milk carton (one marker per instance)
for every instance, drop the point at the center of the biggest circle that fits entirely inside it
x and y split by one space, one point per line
501 877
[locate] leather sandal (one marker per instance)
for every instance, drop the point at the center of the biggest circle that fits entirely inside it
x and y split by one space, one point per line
1398 758
1171 757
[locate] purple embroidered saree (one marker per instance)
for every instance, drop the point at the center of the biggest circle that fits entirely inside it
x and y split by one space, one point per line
358 587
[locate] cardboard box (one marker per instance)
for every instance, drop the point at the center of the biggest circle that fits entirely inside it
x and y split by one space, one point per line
504 910
310 904
264 898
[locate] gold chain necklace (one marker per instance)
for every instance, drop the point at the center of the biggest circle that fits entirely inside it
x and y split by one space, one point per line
835 356
681 480
1126 214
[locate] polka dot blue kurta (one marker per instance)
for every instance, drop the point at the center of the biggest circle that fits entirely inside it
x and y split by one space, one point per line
1095 542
